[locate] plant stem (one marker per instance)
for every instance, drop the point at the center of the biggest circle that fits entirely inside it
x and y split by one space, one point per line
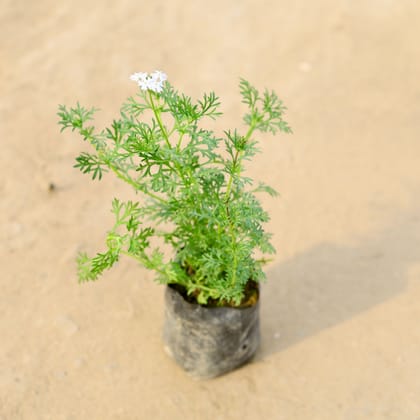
237 156
157 113
178 146
134 184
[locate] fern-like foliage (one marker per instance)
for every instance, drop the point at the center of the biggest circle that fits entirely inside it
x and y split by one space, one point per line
185 179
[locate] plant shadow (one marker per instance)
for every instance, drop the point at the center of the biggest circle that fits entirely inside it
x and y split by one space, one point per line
329 283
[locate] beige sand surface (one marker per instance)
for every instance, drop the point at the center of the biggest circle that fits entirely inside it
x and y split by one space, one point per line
341 313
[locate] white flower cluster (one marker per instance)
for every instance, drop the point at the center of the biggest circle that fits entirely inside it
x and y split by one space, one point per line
153 81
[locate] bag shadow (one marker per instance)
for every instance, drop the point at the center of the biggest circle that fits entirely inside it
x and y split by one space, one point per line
330 283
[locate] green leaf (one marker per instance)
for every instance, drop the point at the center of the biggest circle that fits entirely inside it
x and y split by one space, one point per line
266 188
89 163
249 93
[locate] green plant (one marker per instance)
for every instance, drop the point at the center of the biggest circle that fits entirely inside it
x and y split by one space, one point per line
194 195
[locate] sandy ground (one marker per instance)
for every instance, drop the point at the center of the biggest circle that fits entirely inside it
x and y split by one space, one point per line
340 310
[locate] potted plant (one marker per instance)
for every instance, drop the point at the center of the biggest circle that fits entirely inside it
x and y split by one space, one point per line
194 197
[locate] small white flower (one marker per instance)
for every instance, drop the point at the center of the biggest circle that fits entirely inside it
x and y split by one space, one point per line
156 87
136 77
153 82
159 75
143 83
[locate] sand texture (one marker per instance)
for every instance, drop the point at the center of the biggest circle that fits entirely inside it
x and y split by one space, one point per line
340 313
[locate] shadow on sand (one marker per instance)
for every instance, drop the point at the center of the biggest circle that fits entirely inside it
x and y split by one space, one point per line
329 283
